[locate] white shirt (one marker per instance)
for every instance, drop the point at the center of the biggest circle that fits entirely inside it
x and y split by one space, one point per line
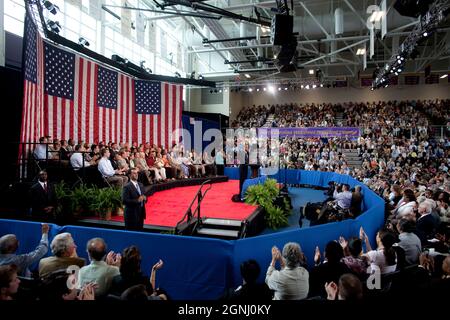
136 185
40 152
377 259
344 199
105 167
43 184
76 161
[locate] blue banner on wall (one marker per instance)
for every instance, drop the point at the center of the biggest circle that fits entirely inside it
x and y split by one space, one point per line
313 132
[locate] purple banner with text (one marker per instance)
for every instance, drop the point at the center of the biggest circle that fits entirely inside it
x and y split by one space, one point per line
312 132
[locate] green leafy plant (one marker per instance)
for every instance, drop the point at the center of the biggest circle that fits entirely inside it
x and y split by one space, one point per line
103 204
264 195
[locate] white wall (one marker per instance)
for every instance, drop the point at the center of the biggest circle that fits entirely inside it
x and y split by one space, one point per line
194 98
335 95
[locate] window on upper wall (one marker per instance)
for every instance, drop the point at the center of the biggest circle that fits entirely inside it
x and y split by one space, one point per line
14 16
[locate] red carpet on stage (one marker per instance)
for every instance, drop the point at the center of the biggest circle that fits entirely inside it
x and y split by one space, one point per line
166 208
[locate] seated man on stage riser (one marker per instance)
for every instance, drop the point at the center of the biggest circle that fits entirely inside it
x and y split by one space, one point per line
116 177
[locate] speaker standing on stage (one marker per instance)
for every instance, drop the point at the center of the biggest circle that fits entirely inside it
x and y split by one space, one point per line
134 200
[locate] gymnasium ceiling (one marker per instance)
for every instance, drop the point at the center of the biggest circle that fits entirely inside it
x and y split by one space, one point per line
314 21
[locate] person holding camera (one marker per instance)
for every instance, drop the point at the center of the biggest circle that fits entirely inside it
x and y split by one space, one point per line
343 196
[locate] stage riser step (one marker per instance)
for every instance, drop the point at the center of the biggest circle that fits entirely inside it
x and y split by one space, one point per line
218 233
225 223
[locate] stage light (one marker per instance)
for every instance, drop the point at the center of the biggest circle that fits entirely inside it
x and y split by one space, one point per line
250 89
425 34
220 90
271 89
257 89
51 7
361 52
311 71
279 88
285 88
302 86
83 42
226 90
399 70
193 75
54 26
396 73
200 76
321 85
307 87
247 76
444 76
264 89
314 86
178 75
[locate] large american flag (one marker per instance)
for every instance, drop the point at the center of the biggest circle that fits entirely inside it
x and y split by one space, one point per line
68 96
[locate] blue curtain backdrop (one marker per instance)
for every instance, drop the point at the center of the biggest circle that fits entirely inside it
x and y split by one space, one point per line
206 124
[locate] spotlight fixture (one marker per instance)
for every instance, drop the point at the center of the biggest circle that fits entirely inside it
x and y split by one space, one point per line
257 89
54 26
264 89
247 76
51 7
193 75
83 42
279 88
425 34
311 71
271 89
361 52
285 88
307 87
178 75
250 89
200 77
314 86
444 76
220 90
321 85
225 90
302 86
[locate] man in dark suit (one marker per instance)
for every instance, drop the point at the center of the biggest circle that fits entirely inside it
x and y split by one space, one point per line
425 223
134 200
42 199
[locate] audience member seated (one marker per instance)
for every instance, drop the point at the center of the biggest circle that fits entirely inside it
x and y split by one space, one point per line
328 270
131 275
9 282
100 271
344 197
41 150
291 282
356 202
384 258
409 241
64 252
352 256
42 199
115 177
349 288
425 224
9 245
250 290
60 286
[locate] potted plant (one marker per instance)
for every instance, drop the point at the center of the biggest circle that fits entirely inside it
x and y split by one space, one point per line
103 203
116 198
265 195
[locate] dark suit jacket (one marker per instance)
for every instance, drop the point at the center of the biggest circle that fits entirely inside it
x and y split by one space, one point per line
425 227
39 199
134 213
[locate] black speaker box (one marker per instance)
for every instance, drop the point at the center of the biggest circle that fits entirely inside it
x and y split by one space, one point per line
412 8
281 29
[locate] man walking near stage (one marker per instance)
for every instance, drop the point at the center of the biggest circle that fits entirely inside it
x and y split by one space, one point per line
134 201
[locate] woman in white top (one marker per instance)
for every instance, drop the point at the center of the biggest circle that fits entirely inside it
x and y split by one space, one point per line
292 281
384 257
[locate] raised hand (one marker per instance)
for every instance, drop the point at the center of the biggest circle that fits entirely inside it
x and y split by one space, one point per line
331 289
45 228
317 255
88 292
343 242
158 265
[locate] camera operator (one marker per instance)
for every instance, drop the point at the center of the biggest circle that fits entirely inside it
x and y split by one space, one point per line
343 196
356 202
